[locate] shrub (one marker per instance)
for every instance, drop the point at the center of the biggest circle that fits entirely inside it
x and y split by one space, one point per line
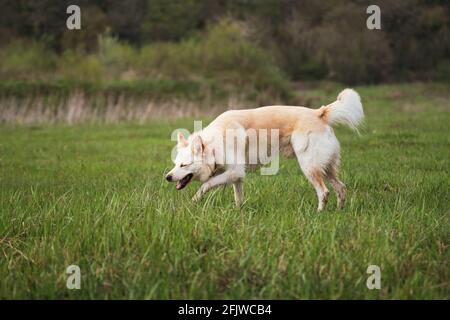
223 59
116 58
223 54
25 60
170 60
75 66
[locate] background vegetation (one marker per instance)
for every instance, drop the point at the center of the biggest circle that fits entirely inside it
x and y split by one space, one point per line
201 56
253 43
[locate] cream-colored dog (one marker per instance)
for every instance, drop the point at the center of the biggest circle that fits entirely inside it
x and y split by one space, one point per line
208 155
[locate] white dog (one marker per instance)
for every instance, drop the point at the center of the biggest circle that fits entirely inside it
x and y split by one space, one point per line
208 155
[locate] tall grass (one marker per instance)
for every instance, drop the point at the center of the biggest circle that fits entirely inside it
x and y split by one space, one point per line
74 102
114 101
95 196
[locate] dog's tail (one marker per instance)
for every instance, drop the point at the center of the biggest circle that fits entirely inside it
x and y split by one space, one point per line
347 110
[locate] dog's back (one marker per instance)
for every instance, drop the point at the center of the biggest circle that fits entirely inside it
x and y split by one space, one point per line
286 119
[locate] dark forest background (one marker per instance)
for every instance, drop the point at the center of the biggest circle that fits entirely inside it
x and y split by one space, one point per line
256 46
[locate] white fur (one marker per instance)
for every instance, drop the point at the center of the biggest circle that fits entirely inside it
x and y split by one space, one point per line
347 109
307 133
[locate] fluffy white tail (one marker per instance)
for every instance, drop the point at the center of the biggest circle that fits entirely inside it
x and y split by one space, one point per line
347 110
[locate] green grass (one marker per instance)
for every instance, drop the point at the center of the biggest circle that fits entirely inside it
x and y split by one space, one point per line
95 196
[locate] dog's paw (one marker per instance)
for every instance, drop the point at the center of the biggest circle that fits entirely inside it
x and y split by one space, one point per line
199 194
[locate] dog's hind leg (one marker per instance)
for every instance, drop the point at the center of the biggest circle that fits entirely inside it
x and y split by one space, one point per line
338 185
238 192
315 176
313 155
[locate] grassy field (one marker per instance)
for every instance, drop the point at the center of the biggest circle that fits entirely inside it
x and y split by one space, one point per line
95 196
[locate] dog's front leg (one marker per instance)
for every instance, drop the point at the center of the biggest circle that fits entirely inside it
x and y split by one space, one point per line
221 179
230 176
238 192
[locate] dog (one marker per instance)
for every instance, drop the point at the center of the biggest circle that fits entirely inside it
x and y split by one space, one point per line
206 156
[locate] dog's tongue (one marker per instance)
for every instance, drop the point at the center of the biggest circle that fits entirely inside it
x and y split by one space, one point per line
183 182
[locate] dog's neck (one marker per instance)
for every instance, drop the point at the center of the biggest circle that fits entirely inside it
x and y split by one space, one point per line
212 167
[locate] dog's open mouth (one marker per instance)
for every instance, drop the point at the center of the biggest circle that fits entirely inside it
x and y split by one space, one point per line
183 182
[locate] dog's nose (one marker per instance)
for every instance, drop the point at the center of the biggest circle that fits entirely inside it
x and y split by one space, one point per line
169 177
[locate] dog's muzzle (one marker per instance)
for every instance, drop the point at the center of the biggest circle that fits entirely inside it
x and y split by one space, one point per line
183 182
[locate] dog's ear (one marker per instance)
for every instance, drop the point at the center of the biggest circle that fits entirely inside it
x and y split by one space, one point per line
197 145
182 142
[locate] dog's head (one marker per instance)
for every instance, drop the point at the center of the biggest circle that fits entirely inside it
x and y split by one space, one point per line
194 161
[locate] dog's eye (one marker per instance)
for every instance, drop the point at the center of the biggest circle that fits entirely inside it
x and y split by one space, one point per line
183 165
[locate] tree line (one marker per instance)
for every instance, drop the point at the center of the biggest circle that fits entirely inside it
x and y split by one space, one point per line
305 40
